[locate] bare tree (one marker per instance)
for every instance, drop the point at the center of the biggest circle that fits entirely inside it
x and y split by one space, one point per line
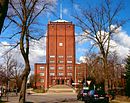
24 14
99 24
3 11
116 70
2 75
12 69
94 67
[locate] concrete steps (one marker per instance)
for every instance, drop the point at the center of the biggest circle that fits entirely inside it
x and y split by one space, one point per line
61 89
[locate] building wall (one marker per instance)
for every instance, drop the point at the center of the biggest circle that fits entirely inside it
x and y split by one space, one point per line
60 51
40 74
60 67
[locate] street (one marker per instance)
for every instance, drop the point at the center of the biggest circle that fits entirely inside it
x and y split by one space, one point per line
50 98
46 98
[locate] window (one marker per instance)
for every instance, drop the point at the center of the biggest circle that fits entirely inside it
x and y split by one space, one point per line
79 81
68 81
69 67
60 61
60 44
69 74
52 68
42 68
52 74
79 74
60 68
52 61
60 74
42 80
41 74
52 56
69 61
53 81
60 56
69 56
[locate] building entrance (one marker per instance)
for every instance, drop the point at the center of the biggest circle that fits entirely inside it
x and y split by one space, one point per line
58 81
62 81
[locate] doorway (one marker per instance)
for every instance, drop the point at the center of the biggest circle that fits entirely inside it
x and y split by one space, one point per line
62 81
58 81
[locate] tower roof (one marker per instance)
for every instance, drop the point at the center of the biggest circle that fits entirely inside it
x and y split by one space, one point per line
60 20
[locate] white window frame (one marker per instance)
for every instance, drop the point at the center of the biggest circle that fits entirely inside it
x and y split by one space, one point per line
60 61
60 44
52 61
60 56
69 74
51 67
41 74
60 74
69 56
60 67
42 80
52 74
52 56
42 67
69 67
69 61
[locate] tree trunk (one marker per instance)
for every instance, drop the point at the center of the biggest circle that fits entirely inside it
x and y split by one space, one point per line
3 12
25 74
106 75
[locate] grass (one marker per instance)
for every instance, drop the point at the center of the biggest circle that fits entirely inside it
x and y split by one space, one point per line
38 90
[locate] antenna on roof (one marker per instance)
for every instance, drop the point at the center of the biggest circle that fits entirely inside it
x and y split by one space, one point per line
60 9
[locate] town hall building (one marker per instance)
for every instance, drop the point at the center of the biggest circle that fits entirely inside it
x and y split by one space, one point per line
60 67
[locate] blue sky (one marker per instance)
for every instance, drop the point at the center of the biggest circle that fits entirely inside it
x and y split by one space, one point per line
68 10
38 50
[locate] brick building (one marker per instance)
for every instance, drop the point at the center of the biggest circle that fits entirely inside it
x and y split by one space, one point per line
60 66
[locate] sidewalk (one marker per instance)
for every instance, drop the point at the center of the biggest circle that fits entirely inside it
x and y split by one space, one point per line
117 101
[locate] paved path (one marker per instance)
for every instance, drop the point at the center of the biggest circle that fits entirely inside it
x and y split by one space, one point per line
47 98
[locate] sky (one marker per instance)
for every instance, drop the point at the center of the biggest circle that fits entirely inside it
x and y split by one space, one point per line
69 7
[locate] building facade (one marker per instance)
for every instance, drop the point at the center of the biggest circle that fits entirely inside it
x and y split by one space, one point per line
60 66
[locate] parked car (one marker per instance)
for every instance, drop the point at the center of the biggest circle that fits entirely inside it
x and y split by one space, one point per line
96 96
82 93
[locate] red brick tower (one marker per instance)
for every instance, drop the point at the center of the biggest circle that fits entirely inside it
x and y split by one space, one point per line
60 53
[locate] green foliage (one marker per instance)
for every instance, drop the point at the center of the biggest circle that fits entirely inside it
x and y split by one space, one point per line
127 66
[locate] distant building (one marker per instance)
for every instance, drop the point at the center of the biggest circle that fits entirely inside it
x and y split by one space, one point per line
60 66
